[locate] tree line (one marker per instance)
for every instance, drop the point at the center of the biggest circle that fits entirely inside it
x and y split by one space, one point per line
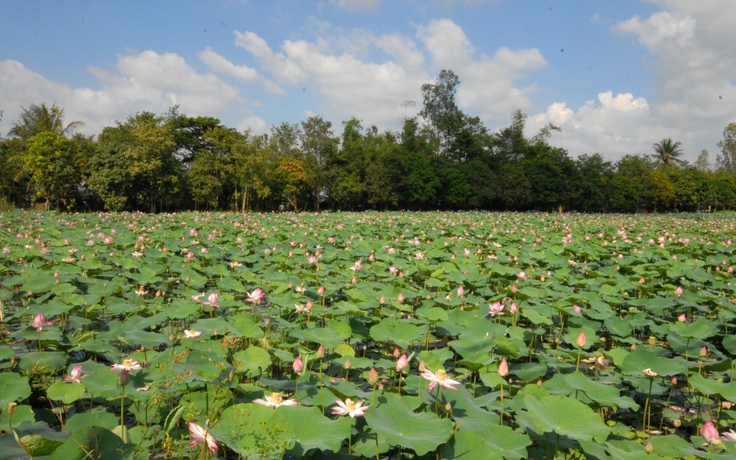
441 159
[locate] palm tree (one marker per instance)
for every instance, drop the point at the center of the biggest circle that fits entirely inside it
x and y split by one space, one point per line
38 119
667 153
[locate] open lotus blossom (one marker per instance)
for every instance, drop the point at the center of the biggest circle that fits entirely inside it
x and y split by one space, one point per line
39 322
709 432
127 365
256 296
76 375
214 300
275 400
349 407
439 378
730 435
191 334
199 434
496 308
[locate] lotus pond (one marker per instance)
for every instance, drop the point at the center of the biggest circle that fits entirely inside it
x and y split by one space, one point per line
376 335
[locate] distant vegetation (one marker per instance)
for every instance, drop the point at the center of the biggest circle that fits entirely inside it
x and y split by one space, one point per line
443 159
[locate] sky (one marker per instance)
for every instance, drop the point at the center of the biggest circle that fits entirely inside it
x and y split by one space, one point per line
615 76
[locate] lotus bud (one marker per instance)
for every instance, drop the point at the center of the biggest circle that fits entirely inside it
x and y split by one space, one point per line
124 378
642 280
348 364
513 308
373 376
652 340
678 291
581 340
422 366
355 280
321 291
704 352
709 432
321 352
577 309
682 318
400 298
503 368
402 363
677 423
397 353
649 447
298 365
448 407
383 299
514 289
673 380
460 291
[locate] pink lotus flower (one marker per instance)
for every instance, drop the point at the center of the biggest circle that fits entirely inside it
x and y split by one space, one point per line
39 322
76 375
199 434
402 363
439 378
503 368
400 298
127 365
460 291
709 432
581 340
256 296
275 400
214 300
496 308
678 291
349 407
298 365
373 376
682 318
321 291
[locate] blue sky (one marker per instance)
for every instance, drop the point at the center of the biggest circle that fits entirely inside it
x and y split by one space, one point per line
615 76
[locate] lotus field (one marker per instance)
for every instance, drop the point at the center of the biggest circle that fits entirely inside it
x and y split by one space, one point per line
375 335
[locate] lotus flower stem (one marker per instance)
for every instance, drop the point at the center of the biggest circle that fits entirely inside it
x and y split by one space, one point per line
501 418
647 408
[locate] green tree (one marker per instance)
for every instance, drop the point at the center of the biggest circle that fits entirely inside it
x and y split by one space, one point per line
134 166
726 160
37 119
318 143
703 161
292 177
666 153
54 165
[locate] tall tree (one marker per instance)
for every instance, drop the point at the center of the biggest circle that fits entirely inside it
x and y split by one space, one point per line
727 158
318 143
440 110
666 153
37 119
703 161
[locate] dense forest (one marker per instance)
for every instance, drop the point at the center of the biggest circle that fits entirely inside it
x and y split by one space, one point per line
442 159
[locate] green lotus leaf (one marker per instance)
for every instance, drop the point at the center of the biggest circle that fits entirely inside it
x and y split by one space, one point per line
563 415
38 439
604 395
669 446
96 417
636 362
699 329
711 387
15 388
65 392
312 430
253 360
228 283
254 431
95 442
395 421
146 338
43 362
395 331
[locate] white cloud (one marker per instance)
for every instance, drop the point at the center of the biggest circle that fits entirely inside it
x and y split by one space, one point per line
694 46
612 126
344 68
222 66
147 81
255 124
488 84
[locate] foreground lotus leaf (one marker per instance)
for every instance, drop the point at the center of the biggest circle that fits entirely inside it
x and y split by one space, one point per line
38 439
254 431
92 442
395 421
14 387
312 430
563 415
